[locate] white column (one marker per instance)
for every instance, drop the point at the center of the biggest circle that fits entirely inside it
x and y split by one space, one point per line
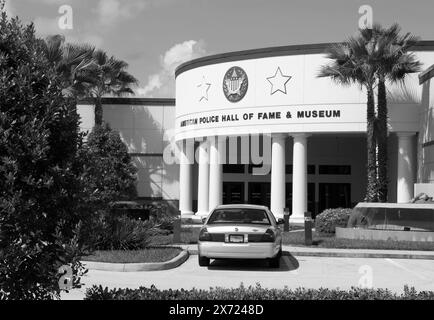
278 175
185 178
406 174
203 180
299 178
215 172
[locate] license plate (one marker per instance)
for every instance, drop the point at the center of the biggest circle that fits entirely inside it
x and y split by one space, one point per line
236 238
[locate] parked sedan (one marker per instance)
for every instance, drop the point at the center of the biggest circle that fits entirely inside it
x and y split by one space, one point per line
240 232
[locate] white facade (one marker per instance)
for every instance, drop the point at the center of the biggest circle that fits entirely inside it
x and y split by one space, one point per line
312 130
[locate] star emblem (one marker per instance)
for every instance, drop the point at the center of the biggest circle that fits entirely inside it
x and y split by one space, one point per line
204 88
278 82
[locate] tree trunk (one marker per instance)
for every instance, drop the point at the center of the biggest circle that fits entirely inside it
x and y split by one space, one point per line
98 112
382 142
371 189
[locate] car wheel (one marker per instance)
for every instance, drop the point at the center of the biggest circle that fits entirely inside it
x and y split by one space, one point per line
203 261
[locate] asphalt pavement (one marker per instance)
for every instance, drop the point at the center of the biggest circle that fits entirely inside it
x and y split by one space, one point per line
294 272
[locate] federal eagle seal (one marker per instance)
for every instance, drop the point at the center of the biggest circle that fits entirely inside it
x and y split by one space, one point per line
235 84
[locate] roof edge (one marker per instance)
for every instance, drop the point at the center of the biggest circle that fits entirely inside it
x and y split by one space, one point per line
131 101
314 48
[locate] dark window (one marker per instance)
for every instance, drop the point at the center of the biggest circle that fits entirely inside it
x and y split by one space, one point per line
337 170
334 195
233 168
260 193
239 216
310 169
233 192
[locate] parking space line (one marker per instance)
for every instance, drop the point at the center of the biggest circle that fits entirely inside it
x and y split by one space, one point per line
400 266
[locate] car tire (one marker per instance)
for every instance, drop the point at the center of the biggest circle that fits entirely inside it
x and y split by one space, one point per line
203 261
275 262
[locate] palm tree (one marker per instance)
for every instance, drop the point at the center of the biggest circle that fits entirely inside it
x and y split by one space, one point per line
73 62
87 72
111 78
393 63
370 59
351 65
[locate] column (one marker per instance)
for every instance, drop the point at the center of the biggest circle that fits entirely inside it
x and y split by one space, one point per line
215 172
299 178
185 178
406 174
278 175
203 180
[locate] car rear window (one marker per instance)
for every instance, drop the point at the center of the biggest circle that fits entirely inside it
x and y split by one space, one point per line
239 216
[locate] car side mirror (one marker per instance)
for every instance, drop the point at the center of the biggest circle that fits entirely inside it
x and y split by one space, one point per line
203 219
280 221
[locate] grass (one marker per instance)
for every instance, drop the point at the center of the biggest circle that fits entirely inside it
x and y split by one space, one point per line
190 236
134 256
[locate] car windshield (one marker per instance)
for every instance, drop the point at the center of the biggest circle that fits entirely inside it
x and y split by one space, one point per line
239 216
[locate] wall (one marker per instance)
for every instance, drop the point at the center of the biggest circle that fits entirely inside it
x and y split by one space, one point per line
145 127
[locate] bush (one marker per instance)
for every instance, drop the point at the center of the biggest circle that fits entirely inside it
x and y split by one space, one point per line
108 176
329 219
40 203
122 233
254 293
111 175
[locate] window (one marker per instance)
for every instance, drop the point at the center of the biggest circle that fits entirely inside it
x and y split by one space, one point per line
233 168
310 169
335 169
239 216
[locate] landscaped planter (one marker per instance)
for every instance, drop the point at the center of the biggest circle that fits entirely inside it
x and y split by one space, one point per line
393 216
135 267
370 234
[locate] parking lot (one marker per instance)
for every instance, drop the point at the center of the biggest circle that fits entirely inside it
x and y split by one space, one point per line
294 272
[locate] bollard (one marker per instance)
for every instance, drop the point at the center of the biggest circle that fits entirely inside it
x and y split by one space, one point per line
177 230
308 225
286 216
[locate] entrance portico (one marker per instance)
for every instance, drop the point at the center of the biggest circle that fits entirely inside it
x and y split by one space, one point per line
318 148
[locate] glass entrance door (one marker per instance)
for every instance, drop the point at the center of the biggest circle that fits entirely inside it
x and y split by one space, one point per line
260 193
334 195
233 192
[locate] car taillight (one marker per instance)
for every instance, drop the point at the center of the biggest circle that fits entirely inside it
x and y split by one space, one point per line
204 235
268 236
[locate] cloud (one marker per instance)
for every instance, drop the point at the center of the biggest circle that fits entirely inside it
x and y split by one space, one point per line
162 84
46 26
112 11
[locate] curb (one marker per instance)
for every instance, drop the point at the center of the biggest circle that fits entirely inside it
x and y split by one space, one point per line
135 267
349 254
363 255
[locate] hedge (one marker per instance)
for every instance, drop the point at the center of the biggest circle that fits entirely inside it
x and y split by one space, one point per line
254 293
329 219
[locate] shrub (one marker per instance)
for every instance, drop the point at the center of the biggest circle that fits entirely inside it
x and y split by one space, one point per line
111 175
122 233
108 176
329 219
254 293
40 207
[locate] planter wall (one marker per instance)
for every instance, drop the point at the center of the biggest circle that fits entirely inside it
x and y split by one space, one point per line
369 234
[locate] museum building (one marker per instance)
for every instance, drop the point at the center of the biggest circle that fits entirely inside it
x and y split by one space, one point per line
261 127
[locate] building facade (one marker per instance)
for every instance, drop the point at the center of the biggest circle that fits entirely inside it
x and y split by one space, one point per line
260 127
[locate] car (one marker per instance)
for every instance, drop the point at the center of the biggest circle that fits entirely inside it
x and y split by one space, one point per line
240 232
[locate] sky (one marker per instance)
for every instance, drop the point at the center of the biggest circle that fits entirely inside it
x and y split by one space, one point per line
156 36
